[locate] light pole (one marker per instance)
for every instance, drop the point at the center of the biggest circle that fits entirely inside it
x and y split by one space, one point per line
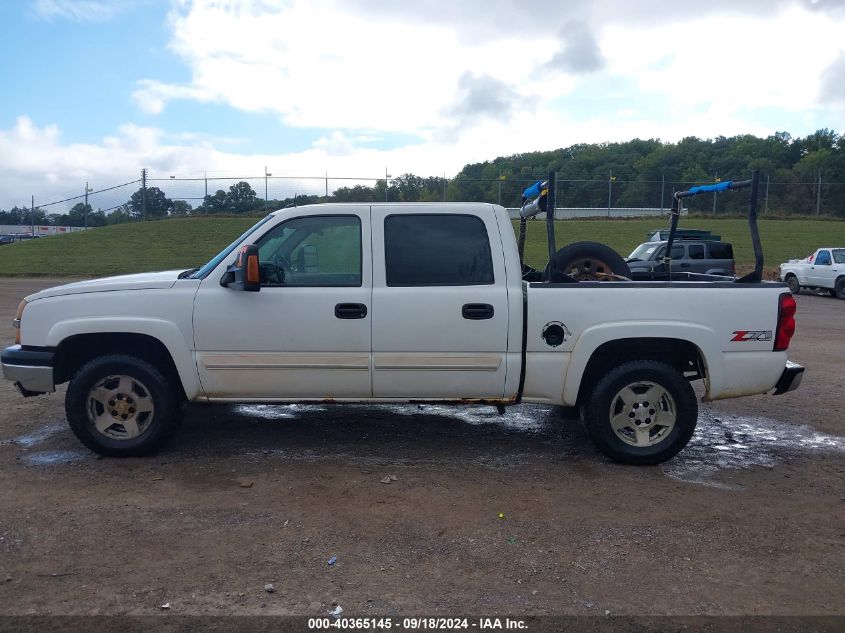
386 176
85 208
267 174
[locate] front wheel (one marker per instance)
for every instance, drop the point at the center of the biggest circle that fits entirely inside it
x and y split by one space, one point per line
120 406
642 412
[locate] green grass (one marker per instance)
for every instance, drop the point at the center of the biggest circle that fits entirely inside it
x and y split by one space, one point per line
188 242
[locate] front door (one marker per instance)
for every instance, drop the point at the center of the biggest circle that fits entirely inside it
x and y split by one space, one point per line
306 333
440 309
822 270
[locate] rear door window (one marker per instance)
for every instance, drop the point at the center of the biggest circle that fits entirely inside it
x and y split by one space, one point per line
696 251
720 251
436 250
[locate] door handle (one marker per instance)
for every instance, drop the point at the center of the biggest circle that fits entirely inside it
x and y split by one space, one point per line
350 310
684 265
477 311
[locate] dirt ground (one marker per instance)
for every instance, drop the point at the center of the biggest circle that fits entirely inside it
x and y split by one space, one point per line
488 514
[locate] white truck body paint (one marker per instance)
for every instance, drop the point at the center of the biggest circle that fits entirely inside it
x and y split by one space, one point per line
285 344
811 274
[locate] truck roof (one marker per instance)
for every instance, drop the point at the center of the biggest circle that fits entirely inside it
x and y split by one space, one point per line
450 205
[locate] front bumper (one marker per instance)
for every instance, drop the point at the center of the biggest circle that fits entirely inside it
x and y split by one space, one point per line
790 379
31 368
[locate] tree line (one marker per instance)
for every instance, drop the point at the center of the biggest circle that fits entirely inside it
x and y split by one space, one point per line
800 175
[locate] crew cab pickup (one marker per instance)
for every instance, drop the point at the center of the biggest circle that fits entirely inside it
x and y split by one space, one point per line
416 303
823 270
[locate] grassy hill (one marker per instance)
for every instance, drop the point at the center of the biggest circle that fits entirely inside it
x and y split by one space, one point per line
189 242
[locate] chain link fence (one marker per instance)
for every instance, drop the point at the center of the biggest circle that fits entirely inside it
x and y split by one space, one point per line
609 197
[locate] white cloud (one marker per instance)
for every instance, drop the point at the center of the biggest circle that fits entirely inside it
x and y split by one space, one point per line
438 70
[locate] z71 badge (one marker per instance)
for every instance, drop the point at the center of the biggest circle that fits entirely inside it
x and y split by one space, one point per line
741 336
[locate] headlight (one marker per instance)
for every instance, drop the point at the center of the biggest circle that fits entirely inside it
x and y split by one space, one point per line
17 322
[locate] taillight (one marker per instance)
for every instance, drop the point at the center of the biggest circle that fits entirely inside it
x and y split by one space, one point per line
786 321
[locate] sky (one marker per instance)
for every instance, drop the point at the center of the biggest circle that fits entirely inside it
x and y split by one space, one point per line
95 90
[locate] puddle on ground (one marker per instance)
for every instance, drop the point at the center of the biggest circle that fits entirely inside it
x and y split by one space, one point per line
273 411
519 418
726 442
526 419
39 435
721 442
49 458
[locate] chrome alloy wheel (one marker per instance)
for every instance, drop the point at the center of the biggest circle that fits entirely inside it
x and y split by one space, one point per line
642 414
120 407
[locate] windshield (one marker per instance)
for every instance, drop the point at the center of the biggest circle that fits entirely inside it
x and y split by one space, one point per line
205 270
839 255
644 251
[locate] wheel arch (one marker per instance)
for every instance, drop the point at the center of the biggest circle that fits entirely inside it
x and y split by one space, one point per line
687 354
73 351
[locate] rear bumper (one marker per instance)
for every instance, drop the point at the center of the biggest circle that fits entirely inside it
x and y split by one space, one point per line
790 379
30 368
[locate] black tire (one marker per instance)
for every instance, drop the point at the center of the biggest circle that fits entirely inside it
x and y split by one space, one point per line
147 384
839 288
589 261
792 282
667 441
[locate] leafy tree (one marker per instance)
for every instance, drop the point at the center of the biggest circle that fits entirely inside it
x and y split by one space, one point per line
158 204
215 204
241 198
181 207
120 215
79 214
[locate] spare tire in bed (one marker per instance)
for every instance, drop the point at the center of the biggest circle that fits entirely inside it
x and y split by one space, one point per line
589 261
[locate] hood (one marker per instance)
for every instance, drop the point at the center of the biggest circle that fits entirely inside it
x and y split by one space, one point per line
142 281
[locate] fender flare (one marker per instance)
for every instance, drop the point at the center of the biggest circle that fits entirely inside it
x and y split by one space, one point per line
167 333
702 337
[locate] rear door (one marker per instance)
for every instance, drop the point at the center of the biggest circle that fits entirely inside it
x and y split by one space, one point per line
440 310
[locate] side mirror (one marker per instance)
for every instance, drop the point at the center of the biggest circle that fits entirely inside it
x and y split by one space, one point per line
245 273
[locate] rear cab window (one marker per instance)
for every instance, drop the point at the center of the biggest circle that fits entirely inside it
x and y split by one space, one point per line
437 250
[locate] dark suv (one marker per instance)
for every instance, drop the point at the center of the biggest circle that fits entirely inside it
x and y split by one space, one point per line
709 257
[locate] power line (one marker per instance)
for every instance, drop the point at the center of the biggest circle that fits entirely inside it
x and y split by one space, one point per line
49 204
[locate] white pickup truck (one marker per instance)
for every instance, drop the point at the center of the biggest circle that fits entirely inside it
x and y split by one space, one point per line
414 303
824 269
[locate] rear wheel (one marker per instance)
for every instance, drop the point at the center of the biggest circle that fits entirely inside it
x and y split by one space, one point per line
119 405
590 261
642 412
792 282
839 289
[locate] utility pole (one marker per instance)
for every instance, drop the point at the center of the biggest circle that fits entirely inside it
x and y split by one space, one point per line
85 208
386 176
662 188
819 194
444 186
32 213
266 198
327 185
610 179
144 194
205 199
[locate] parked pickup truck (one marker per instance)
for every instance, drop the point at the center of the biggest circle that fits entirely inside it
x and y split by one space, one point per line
414 303
824 269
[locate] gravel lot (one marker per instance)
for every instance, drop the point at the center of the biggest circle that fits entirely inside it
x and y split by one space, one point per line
513 514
